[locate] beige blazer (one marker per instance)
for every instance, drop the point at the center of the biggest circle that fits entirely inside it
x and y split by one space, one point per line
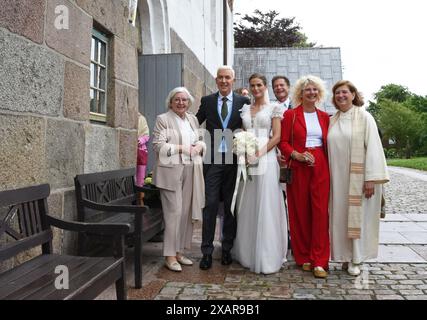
168 167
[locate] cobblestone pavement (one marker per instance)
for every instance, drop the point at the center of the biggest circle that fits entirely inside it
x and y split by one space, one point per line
405 194
378 282
399 273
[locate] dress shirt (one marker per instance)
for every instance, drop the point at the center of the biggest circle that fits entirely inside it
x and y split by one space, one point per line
223 145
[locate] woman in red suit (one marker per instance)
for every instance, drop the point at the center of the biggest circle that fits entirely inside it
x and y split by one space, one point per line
303 139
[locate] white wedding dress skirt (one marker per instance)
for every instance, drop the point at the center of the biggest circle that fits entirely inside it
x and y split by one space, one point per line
262 234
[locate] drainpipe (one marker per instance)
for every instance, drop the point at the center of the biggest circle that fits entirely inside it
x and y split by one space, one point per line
224 18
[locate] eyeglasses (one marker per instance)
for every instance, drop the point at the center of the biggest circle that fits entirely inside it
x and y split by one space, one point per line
177 100
311 90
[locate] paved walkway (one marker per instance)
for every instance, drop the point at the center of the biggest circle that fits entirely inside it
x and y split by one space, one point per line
399 272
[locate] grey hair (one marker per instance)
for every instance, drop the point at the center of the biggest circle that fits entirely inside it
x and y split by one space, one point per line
172 94
224 67
304 82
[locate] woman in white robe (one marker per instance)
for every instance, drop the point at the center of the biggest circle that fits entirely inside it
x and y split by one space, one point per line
349 246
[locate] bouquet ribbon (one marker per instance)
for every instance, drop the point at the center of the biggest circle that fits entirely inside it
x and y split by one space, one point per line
241 171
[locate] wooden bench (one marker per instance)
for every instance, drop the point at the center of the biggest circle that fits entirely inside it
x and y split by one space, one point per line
111 197
25 224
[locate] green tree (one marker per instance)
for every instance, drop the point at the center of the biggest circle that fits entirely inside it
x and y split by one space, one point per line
393 92
417 103
401 125
374 109
267 30
413 138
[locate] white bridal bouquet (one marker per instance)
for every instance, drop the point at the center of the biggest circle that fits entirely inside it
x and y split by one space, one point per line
245 145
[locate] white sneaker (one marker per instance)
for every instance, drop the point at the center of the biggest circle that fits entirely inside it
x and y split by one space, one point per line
353 269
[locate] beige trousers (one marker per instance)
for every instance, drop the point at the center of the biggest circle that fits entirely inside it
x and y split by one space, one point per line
177 214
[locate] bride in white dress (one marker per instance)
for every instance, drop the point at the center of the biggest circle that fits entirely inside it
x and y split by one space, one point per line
261 239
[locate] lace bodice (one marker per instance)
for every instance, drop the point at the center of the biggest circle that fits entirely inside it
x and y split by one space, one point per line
262 120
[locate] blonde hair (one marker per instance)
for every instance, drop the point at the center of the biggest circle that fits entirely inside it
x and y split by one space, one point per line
304 82
172 94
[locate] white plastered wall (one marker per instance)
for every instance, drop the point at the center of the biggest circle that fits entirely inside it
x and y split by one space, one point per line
199 23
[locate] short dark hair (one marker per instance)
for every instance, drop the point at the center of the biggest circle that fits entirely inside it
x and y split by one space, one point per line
280 77
240 90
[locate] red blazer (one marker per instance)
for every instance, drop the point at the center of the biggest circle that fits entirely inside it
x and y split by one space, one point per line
300 132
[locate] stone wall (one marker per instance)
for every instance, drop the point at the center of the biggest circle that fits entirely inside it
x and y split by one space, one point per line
291 62
45 131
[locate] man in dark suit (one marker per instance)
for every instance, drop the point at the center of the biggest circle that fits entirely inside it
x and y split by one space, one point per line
221 113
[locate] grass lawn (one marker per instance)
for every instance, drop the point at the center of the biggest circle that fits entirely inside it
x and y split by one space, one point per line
414 163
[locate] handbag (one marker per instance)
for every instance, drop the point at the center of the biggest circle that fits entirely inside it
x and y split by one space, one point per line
285 175
142 157
286 172
142 151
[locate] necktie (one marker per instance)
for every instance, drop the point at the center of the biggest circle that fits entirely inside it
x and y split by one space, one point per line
224 108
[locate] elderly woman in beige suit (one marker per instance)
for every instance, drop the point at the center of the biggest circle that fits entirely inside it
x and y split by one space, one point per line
178 173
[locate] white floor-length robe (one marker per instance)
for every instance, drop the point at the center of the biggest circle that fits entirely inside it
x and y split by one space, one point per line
344 249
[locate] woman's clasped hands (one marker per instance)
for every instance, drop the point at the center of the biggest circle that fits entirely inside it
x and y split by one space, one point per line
304 157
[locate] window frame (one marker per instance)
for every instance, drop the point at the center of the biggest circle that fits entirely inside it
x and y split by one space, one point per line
99 37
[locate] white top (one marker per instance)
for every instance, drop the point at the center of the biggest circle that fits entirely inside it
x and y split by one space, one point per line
187 134
314 131
284 105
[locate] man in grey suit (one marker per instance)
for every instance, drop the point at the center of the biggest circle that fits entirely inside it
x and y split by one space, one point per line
221 113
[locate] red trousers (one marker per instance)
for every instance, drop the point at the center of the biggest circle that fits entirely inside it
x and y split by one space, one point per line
308 197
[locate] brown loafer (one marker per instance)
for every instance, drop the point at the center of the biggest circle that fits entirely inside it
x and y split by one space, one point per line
306 266
319 272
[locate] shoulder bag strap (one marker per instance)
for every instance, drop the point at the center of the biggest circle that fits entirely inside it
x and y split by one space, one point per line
292 136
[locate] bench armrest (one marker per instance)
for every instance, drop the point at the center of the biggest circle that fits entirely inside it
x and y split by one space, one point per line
147 189
114 207
115 229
